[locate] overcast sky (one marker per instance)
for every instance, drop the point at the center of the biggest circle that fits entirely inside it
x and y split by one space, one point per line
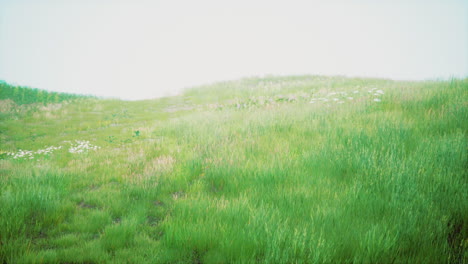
144 49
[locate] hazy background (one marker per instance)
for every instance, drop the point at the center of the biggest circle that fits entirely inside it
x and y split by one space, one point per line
146 49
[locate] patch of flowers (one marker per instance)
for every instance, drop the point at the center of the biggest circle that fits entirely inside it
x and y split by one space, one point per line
259 101
376 93
29 154
82 146
79 146
337 97
341 97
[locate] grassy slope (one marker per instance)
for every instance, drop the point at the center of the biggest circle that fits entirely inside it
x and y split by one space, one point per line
244 171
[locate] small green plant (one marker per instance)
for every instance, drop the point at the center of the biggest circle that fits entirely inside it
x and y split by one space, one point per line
111 139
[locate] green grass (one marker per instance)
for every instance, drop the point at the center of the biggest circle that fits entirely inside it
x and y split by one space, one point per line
25 95
271 170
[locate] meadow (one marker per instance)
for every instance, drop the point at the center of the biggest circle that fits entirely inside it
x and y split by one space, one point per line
300 169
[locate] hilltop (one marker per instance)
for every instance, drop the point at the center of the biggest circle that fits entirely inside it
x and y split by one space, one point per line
306 169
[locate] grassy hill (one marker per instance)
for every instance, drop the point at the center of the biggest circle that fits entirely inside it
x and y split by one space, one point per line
304 169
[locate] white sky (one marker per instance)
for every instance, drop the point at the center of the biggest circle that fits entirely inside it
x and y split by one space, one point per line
146 49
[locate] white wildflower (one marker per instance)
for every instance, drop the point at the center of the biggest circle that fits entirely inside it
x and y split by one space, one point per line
82 146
